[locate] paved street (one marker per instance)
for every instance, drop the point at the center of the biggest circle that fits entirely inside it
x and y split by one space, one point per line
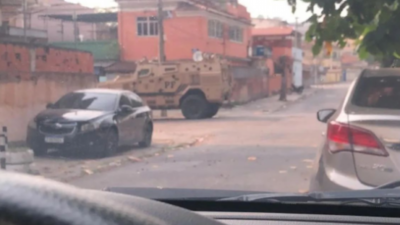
248 148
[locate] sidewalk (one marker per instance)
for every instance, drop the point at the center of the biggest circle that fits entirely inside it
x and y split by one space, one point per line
271 104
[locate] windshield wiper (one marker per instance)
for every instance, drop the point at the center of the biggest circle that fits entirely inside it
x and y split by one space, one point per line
375 197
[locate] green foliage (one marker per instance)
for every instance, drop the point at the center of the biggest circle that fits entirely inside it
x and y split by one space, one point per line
374 23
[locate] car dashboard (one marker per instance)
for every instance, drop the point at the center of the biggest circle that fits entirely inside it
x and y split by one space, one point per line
259 213
293 219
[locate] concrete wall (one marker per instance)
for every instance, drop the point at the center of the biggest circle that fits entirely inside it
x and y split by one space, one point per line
32 76
252 83
21 100
332 76
253 88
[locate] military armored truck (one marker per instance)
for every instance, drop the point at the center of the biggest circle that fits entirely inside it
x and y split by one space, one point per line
197 88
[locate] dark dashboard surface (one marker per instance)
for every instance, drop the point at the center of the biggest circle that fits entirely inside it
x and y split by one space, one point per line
293 219
260 213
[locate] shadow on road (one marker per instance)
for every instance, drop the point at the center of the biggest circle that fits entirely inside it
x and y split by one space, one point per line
261 117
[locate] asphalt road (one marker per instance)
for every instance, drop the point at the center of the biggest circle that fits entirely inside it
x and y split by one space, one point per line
253 151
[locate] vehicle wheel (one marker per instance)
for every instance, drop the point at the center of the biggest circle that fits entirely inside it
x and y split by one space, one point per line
109 142
212 110
194 107
147 136
39 151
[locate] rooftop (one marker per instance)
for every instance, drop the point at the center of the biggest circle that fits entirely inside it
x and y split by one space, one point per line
87 17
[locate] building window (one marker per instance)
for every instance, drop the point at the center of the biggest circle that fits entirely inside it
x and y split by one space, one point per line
236 34
215 29
147 26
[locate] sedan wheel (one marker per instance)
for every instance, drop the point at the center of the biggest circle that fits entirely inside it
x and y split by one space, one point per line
147 136
109 142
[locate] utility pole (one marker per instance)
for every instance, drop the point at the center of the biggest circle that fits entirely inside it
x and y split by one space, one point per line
161 32
283 61
24 12
297 34
61 30
76 32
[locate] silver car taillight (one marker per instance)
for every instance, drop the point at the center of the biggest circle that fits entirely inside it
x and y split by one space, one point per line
343 137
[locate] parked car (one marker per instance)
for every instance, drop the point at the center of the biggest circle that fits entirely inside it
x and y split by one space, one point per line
361 148
93 120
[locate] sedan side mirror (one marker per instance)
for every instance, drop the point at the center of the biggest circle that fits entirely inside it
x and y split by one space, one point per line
49 105
324 115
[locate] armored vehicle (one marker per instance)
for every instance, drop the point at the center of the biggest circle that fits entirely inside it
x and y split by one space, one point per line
198 88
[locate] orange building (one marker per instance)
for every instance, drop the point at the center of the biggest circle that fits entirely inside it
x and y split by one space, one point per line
223 29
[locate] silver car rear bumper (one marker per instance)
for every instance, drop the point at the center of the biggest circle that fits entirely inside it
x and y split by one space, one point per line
332 177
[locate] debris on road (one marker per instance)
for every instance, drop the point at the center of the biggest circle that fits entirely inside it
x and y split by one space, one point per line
302 191
88 172
282 171
252 158
134 159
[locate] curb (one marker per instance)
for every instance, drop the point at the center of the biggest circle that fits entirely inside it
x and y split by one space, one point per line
20 161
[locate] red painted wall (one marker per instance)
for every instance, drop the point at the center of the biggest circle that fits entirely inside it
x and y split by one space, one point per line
182 34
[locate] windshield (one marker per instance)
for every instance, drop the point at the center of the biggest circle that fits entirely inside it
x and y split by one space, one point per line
87 101
298 96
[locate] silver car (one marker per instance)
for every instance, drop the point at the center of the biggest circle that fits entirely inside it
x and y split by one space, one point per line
361 147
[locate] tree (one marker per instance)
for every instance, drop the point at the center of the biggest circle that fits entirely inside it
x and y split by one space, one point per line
373 23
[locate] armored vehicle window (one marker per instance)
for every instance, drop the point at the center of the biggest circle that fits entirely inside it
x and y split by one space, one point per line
143 72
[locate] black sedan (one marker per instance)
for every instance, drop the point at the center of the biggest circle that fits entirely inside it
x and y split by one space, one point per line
93 120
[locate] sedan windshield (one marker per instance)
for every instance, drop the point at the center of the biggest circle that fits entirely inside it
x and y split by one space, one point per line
87 101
